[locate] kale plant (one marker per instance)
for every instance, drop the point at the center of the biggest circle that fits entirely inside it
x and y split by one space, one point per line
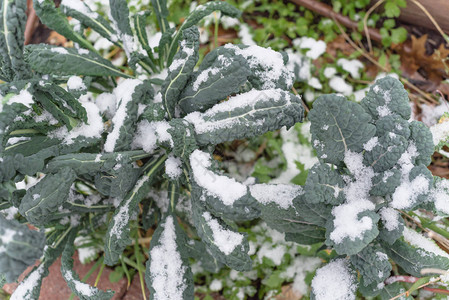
372 168
70 164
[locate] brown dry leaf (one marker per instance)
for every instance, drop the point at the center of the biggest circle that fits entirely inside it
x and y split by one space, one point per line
339 44
56 39
288 294
414 57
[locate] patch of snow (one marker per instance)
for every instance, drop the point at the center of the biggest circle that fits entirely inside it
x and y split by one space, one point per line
227 189
281 194
334 281
316 48
226 240
173 167
352 66
339 85
166 267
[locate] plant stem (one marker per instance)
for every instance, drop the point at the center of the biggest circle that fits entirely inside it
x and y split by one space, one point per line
99 275
137 251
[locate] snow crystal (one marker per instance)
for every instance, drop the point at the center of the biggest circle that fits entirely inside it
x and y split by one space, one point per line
406 194
229 22
430 113
15 140
390 218
440 132
373 142
173 167
154 39
352 66
7 236
166 268
227 189
245 35
83 51
92 129
347 224
81 287
225 240
419 241
25 288
102 44
149 133
106 102
121 219
298 65
80 7
315 83
273 252
216 285
440 197
316 48
339 85
268 64
298 271
189 50
10 213
334 281
76 83
329 72
295 152
281 194
204 76
24 97
59 50
123 92
253 98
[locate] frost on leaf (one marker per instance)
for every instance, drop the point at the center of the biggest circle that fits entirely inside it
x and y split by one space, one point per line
387 97
227 245
168 274
19 248
334 281
223 195
220 74
415 252
338 126
246 115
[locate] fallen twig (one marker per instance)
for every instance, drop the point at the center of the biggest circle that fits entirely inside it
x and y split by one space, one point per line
327 11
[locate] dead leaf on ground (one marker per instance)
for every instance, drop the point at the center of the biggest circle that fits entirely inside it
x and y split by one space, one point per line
288 294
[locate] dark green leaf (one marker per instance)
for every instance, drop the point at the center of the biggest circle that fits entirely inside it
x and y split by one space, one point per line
324 185
20 247
49 59
221 74
168 274
117 237
387 96
79 288
337 127
12 37
54 19
44 199
180 69
414 258
227 245
373 265
246 115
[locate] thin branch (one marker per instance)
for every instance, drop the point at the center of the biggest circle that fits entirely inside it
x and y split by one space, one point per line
426 97
31 23
327 11
302 101
432 19
365 24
